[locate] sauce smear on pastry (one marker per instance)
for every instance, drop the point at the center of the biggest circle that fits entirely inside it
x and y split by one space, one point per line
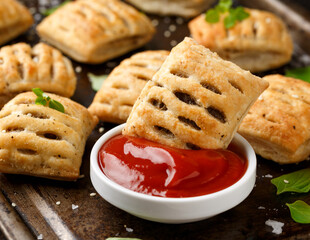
155 169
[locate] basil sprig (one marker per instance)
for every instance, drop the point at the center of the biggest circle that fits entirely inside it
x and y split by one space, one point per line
299 73
49 11
45 100
298 182
300 211
96 81
234 14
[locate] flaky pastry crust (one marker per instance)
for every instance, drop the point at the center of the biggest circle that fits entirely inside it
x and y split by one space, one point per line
195 100
118 93
93 31
14 20
258 43
184 8
40 141
278 124
23 68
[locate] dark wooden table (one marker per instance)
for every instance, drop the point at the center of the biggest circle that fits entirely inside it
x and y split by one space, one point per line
28 205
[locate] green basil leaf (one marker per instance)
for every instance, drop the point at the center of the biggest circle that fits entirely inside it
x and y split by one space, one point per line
299 73
300 211
38 92
56 105
212 16
49 11
229 21
120 238
241 14
298 182
224 5
41 101
96 81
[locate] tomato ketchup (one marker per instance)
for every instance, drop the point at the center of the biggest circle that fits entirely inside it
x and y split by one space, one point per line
159 170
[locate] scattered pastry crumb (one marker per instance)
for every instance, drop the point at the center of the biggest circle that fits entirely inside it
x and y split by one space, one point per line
40 237
13 204
3 131
101 129
58 203
172 28
81 176
29 114
285 181
268 176
75 206
128 229
167 34
261 207
78 69
155 22
295 96
92 194
180 20
173 43
276 226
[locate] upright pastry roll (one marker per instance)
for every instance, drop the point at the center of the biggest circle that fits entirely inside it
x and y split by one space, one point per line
118 93
195 100
40 141
184 8
258 43
14 20
93 31
23 68
278 124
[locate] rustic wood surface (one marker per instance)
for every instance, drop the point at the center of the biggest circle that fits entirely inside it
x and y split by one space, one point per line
35 211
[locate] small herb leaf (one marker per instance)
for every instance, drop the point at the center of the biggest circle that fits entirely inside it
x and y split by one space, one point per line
299 73
298 182
234 14
96 81
300 211
49 11
56 105
212 16
45 100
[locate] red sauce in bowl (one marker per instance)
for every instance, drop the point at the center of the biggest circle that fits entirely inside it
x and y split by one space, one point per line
155 169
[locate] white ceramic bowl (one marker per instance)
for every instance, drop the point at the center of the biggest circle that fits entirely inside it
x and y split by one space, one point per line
172 210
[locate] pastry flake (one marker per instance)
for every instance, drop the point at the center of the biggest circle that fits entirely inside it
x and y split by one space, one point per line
93 31
14 20
184 8
278 124
195 100
23 68
118 93
258 43
41 141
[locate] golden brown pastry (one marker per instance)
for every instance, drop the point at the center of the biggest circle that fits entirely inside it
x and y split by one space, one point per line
118 93
23 68
40 141
93 31
195 100
184 8
14 20
278 124
258 43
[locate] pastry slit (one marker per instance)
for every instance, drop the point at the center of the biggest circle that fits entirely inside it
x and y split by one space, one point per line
158 104
185 97
217 114
164 131
211 88
189 122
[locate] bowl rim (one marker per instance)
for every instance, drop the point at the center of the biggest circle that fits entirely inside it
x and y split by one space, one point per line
94 166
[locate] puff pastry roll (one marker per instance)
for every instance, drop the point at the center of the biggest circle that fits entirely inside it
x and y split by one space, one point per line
40 141
195 100
118 93
278 124
93 31
258 43
14 20
23 68
184 8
